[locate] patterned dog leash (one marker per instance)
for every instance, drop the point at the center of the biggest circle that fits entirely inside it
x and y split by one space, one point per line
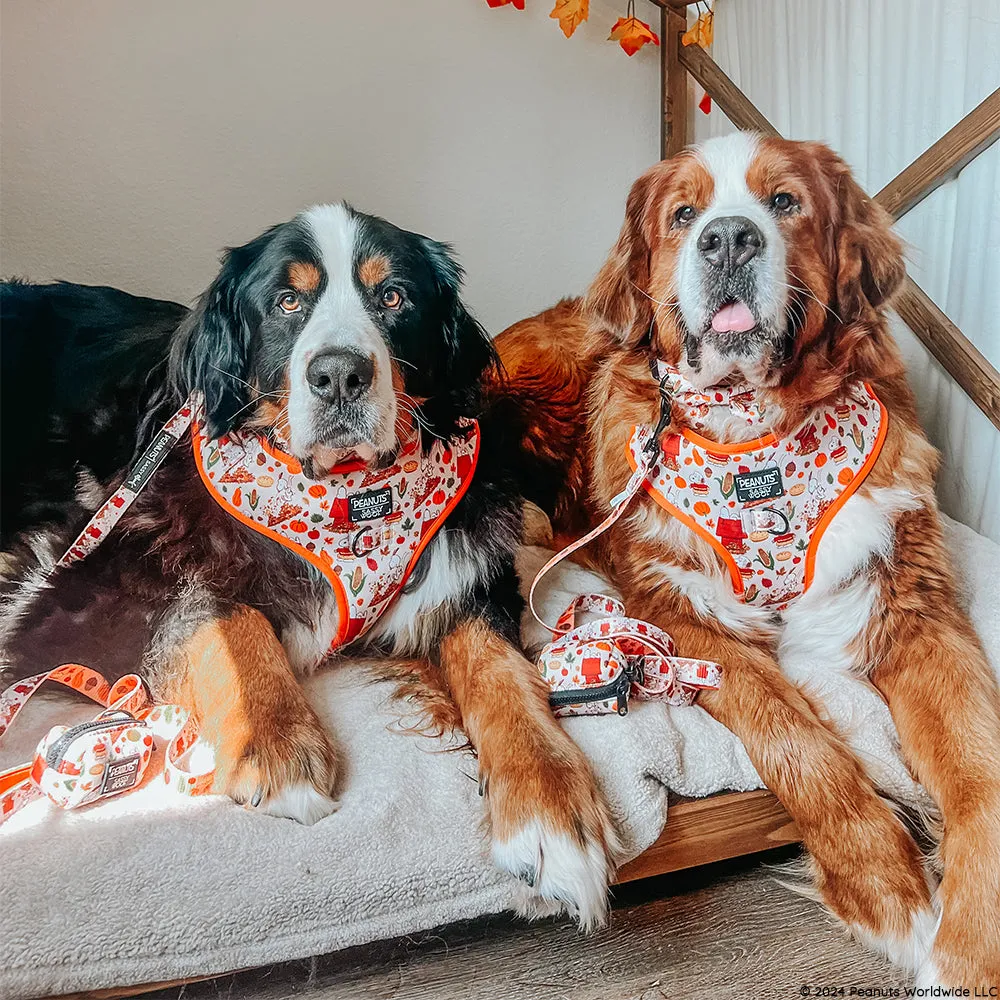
79 764
614 644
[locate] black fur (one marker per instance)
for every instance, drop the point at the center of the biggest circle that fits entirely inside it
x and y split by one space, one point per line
77 366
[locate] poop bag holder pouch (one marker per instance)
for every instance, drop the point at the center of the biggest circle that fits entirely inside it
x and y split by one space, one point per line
593 669
74 765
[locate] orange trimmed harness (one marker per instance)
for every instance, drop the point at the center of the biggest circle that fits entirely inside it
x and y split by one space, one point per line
764 504
363 529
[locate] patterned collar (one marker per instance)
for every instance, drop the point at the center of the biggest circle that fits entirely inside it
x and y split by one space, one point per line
694 404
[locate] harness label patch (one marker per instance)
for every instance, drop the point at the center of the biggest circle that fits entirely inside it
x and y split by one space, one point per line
763 484
120 775
369 506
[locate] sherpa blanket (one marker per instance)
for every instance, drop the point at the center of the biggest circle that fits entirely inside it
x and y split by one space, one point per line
149 887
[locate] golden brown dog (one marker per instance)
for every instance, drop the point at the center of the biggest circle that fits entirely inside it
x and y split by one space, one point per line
757 273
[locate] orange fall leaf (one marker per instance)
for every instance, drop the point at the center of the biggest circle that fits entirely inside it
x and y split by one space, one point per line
632 34
570 14
700 33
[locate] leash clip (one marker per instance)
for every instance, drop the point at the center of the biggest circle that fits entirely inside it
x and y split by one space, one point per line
666 398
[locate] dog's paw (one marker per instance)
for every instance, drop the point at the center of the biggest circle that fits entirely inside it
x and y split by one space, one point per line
291 773
561 870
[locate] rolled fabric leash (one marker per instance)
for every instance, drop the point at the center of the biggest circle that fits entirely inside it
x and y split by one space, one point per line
593 669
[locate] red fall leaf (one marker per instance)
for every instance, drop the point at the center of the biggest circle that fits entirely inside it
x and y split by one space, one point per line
518 4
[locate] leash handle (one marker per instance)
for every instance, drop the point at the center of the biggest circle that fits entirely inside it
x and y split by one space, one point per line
618 505
111 512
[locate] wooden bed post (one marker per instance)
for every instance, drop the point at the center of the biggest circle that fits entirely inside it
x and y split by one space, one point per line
673 84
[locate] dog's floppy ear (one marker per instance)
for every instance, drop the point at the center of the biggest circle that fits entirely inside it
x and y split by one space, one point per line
616 297
211 349
469 351
868 270
870 265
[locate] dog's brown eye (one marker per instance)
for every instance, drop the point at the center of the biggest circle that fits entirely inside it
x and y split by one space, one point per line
289 303
684 215
782 202
391 298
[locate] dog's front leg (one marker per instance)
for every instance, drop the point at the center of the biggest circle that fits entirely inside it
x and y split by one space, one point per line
944 699
271 749
866 867
549 823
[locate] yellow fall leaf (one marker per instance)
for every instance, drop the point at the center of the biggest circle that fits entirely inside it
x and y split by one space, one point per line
570 14
700 33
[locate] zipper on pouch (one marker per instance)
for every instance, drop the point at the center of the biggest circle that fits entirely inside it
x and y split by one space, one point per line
618 688
111 720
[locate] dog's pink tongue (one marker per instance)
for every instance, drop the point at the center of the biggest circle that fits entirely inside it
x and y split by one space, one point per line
736 317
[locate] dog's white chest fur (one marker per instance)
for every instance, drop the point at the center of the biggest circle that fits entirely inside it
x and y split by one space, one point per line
446 574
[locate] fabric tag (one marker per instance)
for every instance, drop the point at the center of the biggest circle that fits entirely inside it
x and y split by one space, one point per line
369 506
120 775
763 484
150 461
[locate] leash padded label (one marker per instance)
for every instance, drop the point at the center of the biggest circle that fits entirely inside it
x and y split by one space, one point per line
369 506
762 484
139 474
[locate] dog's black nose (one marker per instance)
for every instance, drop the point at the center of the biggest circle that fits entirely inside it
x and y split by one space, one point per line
339 376
729 242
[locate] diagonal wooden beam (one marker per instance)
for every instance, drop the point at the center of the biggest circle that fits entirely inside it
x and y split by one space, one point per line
956 353
736 106
977 131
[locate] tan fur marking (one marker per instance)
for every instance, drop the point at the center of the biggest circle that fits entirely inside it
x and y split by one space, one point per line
304 277
533 768
234 675
373 270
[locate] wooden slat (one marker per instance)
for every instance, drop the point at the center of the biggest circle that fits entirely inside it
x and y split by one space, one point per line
674 84
736 106
978 130
676 4
700 831
956 353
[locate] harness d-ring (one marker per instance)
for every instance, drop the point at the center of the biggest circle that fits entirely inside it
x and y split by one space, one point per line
779 531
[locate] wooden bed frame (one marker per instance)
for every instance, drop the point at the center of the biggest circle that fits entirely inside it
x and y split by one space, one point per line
731 824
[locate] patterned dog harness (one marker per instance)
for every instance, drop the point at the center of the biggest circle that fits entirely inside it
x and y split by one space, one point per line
363 529
764 505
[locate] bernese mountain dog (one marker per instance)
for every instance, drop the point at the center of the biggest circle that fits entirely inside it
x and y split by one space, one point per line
333 349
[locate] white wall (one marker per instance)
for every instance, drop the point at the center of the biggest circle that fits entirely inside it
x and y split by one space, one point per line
138 138
880 81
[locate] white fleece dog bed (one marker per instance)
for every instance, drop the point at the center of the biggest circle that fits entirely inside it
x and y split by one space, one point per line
149 887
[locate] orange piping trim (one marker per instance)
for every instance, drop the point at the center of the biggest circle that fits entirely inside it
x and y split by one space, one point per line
442 517
828 516
729 449
734 572
288 543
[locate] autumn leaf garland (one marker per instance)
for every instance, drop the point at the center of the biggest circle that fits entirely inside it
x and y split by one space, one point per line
630 33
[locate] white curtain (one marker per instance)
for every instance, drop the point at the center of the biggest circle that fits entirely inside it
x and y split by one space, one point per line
880 80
